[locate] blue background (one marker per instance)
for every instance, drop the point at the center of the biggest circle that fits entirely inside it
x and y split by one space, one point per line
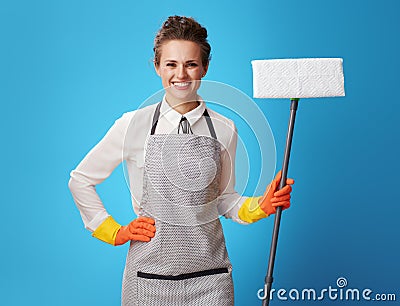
68 69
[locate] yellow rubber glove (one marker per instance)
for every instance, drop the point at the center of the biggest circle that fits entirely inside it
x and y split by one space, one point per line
256 208
141 229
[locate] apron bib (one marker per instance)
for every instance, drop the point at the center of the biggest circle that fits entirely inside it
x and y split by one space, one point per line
186 263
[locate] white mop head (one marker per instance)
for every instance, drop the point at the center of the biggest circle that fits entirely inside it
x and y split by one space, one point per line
298 78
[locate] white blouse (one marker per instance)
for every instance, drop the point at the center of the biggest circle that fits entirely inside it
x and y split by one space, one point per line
126 142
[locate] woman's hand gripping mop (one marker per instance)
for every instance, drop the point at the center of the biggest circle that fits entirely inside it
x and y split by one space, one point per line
293 79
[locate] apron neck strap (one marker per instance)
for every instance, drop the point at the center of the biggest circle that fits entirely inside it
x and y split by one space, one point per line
156 116
210 124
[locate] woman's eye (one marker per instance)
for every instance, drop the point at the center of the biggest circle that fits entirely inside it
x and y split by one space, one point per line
171 65
192 65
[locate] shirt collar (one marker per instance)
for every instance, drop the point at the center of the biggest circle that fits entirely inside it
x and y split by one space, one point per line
175 117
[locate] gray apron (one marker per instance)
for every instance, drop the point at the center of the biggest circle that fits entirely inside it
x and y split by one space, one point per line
186 263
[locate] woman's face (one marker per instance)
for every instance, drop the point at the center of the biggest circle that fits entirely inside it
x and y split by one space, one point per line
180 70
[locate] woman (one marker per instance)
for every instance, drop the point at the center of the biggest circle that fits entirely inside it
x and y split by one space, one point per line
180 158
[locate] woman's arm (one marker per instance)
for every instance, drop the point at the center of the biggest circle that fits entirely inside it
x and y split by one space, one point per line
230 201
243 209
97 165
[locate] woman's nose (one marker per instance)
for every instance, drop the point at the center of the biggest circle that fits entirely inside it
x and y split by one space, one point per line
182 73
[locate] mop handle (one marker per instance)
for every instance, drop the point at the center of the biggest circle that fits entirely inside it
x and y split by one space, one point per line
269 278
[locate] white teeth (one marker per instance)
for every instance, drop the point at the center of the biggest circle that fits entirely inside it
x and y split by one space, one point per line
181 84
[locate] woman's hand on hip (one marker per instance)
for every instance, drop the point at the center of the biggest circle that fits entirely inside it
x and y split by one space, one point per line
140 229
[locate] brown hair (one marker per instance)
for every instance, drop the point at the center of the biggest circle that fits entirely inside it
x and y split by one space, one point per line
182 28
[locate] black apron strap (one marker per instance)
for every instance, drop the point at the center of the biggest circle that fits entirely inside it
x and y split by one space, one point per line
156 116
210 124
155 119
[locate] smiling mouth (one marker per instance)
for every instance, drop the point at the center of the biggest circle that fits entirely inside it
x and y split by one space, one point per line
181 84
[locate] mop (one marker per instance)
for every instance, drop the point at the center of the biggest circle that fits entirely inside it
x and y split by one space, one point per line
293 79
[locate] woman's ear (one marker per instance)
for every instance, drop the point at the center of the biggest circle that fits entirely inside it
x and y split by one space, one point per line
157 68
205 70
